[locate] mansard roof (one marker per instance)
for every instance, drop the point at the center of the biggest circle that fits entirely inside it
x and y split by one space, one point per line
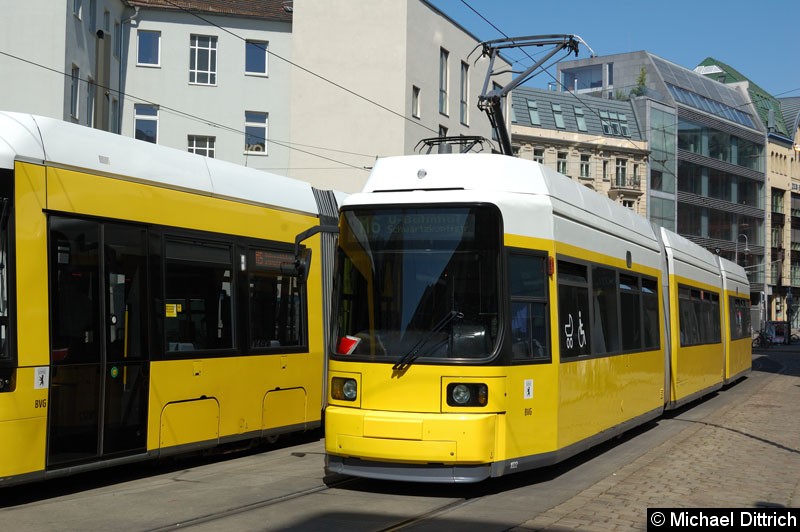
594 111
278 10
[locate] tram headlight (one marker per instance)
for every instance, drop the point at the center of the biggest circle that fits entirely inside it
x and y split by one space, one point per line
467 394
461 394
344 389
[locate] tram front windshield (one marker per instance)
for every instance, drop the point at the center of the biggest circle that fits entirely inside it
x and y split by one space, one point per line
418 283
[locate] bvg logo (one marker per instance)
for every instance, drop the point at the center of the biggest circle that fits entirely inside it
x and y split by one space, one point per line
40 403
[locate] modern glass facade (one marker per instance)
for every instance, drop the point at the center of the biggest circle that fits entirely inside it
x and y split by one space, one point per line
720 202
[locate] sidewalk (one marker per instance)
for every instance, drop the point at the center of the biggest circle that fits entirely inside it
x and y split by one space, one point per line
745 455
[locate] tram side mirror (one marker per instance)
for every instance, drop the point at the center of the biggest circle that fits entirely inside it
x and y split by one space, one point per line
300 266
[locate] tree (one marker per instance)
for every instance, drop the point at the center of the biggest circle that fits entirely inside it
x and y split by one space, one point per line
641 84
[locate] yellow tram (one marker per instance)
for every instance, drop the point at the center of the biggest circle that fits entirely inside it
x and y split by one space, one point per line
153 301
493 316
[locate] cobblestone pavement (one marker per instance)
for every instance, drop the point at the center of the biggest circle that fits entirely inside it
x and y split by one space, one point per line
745 455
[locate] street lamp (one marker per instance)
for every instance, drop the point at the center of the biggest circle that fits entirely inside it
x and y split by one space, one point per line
746 249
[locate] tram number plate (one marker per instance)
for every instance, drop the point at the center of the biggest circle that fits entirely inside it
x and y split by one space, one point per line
529 411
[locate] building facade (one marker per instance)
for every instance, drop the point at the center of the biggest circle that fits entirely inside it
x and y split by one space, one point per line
594 141
204 76
315 90
377 78
707 176
70 67
783 250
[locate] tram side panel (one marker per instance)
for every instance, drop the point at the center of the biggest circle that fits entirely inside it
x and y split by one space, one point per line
695 290
203 399
610 353
736 324
529 428
23 409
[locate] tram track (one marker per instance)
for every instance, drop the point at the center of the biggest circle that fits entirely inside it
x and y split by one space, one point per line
231 512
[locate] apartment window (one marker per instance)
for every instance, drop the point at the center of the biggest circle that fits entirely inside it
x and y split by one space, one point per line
90 93
203 60
629 203
533 112
117 39
114 115
605 170
92 15
415 102
256 57
604 121
145 119
615 129
444 56
559 118
201 145
622 166
635 174
106 22
580 119
623 125
77 7
585 166
255 129
561 162
74 91
443 147
464 115
538 155
149 48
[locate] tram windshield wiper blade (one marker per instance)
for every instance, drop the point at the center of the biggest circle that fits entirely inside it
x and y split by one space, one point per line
406 360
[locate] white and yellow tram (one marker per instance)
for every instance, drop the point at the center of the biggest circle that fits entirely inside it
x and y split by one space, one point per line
493 316
152 301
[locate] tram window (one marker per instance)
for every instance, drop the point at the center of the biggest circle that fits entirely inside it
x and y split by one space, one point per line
528 290
605 324
739 317
5 265
573 309
197 294
630 312
75 305
650 313
276 308
699 316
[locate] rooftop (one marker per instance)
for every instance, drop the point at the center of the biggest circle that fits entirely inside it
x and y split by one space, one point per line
278 10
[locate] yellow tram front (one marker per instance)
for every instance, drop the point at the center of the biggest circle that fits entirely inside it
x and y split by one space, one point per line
423 343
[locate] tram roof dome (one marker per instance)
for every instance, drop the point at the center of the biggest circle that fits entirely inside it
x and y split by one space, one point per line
40 140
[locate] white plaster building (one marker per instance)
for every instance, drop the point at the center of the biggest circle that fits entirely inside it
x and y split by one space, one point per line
62 59
314 90
206 78
377 78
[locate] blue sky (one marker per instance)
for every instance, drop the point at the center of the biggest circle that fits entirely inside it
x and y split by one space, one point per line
761 38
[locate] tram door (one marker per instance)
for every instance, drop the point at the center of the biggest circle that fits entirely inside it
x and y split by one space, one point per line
98 357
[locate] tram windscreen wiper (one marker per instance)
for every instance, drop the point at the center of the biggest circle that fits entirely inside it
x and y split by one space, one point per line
412 355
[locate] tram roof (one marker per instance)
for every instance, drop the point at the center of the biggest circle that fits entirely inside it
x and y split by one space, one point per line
43 140
498 173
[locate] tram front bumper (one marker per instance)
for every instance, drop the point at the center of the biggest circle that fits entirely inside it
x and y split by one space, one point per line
411 438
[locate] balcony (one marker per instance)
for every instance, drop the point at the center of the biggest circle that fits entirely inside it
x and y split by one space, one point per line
630 187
